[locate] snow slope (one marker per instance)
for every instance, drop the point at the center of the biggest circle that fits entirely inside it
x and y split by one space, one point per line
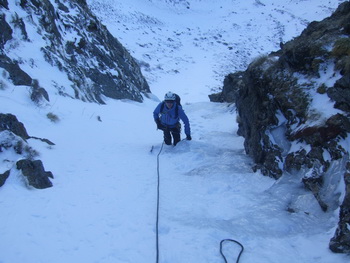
190 47
102 207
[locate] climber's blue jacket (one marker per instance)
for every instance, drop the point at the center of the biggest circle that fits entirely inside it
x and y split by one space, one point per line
171 117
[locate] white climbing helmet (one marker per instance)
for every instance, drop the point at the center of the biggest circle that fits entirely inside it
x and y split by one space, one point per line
169 96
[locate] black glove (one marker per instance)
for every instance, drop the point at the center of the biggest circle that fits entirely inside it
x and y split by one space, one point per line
159 124
188 137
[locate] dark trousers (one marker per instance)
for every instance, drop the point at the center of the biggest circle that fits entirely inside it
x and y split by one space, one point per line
172 132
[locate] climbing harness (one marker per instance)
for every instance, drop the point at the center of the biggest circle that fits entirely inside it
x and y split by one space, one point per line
157 219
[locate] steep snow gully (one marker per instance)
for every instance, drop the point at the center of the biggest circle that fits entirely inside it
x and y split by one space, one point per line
102 206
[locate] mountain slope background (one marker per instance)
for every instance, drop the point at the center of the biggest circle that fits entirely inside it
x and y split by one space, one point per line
101 207
203 41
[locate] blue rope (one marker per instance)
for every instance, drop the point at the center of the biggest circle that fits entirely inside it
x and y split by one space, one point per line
231 240
157 220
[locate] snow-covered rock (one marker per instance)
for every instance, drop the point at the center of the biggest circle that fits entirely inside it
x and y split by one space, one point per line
66 35
293 108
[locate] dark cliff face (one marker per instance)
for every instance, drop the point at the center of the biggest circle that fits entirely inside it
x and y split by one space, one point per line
294 106
57 48
70 38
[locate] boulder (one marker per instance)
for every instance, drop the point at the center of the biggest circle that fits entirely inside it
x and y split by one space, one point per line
3 177
17 75
9 122
35 173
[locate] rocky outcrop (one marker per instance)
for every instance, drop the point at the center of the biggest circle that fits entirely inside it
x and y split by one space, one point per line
70 38
341 241
10 123
16 74
6 31
66 37
13 138
4 3
293 109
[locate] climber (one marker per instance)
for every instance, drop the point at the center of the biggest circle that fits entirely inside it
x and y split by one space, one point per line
167 116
